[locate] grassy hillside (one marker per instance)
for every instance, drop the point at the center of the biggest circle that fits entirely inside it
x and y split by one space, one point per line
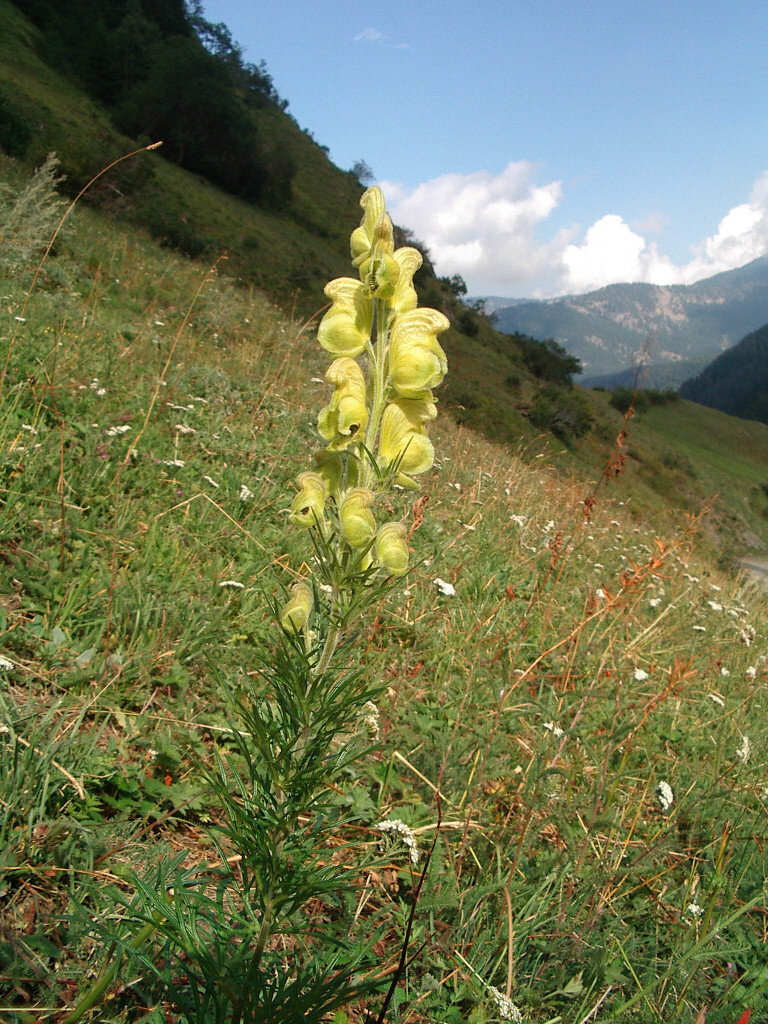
571 733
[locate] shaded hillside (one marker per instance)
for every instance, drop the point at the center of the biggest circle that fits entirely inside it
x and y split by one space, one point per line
608 328
737 381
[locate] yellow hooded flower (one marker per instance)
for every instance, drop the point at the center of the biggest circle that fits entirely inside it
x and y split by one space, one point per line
392 549
345 418
346 327
404 297
417 363
404 437
295 615
307 507
356 518
362 239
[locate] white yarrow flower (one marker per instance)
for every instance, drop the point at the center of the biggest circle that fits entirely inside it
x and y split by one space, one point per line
114 431
234 584
694 910
640 675
245 493
665 796
504 1006
744 750
447 589
398 828
554 729
5 663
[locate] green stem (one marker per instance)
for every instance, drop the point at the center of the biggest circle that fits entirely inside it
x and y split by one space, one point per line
106 976
380 351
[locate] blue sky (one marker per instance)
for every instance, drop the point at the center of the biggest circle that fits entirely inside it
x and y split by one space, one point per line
539 147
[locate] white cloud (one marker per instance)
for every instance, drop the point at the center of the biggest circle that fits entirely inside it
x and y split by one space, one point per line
486 227
482 226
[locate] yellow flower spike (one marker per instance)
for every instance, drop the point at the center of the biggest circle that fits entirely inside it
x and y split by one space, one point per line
392 549
346 327
409 261
295 615
346 417
356 518
307 507
404 438
417 363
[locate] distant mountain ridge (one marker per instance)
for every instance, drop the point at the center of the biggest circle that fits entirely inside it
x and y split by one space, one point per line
607 329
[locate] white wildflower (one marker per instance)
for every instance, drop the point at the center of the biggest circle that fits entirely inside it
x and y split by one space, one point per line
747 634
519 520
714 586
640 675
29 428
700 629
601 594
211 481
100 392
20 319
180 408
744 750
724 671
504 1006
665 796
715 606
370 720
397 827
447 589
655 602
554 729
184 429
691 579
114 431
751 672
5 663
245 493
234 584
549 526
175 463
717 699
159 323
694 910
455 486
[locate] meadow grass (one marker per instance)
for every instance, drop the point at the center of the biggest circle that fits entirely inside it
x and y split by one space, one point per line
572 728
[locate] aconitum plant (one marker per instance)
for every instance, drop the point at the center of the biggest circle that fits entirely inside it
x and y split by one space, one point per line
387 360
235 943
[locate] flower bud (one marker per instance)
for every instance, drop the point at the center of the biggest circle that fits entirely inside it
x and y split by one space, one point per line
345 418
355 517
392 549
417 363
346 328
307 507
296 613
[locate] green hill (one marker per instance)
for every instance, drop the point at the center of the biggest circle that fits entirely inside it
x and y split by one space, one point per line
737 381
